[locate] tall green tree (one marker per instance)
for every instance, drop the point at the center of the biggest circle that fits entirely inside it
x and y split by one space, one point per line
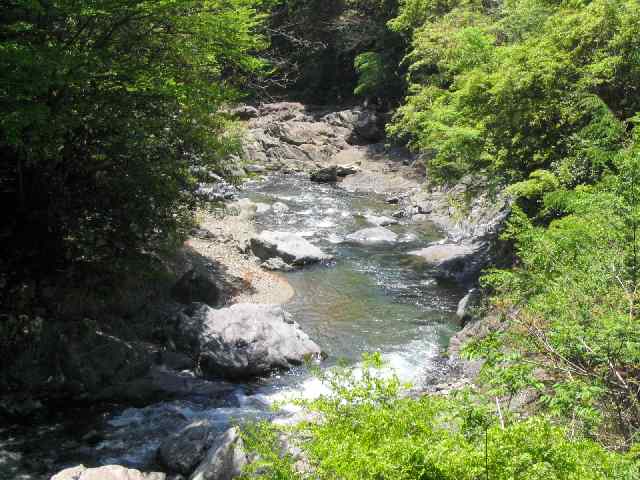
107 105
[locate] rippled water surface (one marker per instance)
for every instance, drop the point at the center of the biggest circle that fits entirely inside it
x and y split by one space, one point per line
370 298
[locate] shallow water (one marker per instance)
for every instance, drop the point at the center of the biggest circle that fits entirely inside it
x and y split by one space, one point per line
369 299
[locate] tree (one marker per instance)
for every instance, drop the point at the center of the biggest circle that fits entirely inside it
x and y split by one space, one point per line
106 107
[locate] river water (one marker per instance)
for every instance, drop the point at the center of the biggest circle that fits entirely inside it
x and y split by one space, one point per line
371 298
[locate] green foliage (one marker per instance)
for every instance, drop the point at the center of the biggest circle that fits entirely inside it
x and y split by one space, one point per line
108 107
530 85
575 291
374 434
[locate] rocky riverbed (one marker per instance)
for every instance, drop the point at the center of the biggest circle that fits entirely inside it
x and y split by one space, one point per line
334 249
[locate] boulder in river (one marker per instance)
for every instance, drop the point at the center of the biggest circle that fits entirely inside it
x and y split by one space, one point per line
368 236
225 459
276 264
325 174
183 451
291 248
452 261
246 340
108 472
380 220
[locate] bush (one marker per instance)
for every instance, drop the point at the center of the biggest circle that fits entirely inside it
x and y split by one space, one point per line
368 430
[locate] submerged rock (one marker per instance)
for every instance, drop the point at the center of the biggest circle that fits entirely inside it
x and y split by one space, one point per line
373 235
280 207
183 451
225 459
108 472
380 221
291 248
246 340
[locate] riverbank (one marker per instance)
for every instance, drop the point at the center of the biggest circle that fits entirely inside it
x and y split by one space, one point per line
223 237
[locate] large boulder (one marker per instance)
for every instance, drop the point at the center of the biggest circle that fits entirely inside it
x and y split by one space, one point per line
291 248
368 236
108 472
456 262
225 459
183 451
245 340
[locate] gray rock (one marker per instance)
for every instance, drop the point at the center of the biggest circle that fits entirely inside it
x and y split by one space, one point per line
108 472
225 459
183 451
346 170
276 264
476 330
197 285
470 301
425 207
380 221
291 248
325 175
452 261
290 136
255 168
367 128
247 340
392 200
419 218
245 112
368 236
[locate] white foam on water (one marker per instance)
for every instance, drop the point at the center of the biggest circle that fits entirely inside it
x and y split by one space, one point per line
334 238
323 223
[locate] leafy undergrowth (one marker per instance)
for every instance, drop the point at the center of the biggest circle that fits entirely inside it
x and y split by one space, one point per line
369 430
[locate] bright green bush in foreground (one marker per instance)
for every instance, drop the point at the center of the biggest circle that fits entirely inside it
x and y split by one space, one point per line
369 432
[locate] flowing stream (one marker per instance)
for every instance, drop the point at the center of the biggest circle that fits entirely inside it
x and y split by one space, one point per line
371 298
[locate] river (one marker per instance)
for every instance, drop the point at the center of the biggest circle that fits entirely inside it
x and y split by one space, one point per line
371 298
